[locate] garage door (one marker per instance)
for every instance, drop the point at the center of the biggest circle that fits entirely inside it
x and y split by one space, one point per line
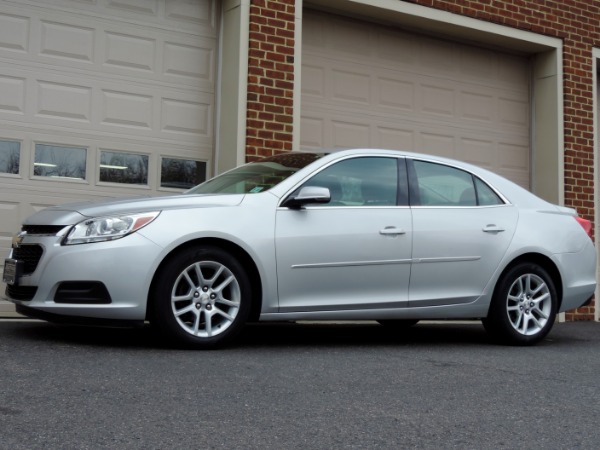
102 98
369 85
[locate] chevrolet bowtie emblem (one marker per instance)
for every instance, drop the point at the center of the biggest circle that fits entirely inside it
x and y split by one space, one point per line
17 239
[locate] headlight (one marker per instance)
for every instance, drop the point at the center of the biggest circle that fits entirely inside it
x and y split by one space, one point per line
108 228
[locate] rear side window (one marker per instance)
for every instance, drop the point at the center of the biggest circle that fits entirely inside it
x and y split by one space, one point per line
440 185
485 195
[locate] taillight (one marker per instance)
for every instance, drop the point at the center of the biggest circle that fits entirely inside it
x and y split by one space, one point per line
586 224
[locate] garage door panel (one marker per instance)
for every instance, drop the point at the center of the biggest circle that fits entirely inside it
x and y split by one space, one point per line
196 16
477 64
351 86
131 81
479 106
129 52
14 32
384 92
397 94
96 106
417 92
347 134
394 138
84 43
437 100
66 41
12 94
481 152
437 143
392 52
191 62
63 101
513 111
184 116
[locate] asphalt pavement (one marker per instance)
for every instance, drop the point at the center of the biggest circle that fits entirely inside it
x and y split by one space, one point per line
299 386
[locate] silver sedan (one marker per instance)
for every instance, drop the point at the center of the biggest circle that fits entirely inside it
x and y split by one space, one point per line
359 234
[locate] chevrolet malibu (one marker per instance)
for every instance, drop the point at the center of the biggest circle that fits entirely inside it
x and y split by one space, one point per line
358 234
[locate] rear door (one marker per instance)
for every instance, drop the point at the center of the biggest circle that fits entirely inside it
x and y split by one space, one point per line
461 231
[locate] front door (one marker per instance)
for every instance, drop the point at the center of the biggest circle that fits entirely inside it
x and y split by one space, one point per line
355 251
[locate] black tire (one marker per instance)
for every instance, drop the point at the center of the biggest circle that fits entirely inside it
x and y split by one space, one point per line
523 307
398 324
201 298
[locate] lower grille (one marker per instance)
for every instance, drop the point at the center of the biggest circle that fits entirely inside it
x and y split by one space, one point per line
82 292
23 293
30 254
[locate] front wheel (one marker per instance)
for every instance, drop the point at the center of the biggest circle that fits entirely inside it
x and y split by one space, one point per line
201 299
523 307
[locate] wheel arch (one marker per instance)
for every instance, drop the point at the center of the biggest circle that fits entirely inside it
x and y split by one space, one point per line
235 250
543 261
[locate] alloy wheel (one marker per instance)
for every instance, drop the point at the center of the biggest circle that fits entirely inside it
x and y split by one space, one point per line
205 299
529 304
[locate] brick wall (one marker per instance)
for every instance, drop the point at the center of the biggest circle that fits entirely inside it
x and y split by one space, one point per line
270 78
576 22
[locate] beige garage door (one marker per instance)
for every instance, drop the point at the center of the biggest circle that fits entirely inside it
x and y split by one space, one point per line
368 85
102 98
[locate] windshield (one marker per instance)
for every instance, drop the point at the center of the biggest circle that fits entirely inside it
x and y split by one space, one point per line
257 176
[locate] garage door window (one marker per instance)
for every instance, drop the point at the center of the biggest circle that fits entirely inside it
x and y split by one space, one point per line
120 167
56 161
10 156
181 173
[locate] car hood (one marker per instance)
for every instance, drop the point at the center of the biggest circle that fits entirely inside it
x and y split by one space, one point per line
72 213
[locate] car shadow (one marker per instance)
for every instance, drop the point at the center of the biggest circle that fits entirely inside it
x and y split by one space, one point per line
263 335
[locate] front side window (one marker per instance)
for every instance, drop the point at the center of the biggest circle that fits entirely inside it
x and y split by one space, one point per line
58 161
440 185
10 156
364 181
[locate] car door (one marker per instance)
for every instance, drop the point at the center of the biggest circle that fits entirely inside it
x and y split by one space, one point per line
353 252
461 231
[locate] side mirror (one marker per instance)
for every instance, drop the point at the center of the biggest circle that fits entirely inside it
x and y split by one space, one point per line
307 194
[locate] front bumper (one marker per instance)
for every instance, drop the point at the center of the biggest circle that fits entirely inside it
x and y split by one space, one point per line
124 266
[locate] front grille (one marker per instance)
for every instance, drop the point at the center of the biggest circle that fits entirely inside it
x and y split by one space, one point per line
30 254
47 230
23 293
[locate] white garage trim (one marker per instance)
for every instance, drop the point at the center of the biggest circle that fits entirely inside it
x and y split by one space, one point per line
233 89
547 115
596 97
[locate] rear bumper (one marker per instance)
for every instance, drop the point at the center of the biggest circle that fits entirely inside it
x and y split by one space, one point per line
578 272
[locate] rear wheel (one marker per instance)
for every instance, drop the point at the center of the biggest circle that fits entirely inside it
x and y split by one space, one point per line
202 298
523 307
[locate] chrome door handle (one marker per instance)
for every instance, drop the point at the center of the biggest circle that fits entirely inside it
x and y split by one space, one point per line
391 231
492 229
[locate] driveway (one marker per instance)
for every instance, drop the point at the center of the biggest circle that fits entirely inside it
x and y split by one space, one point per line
438 385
